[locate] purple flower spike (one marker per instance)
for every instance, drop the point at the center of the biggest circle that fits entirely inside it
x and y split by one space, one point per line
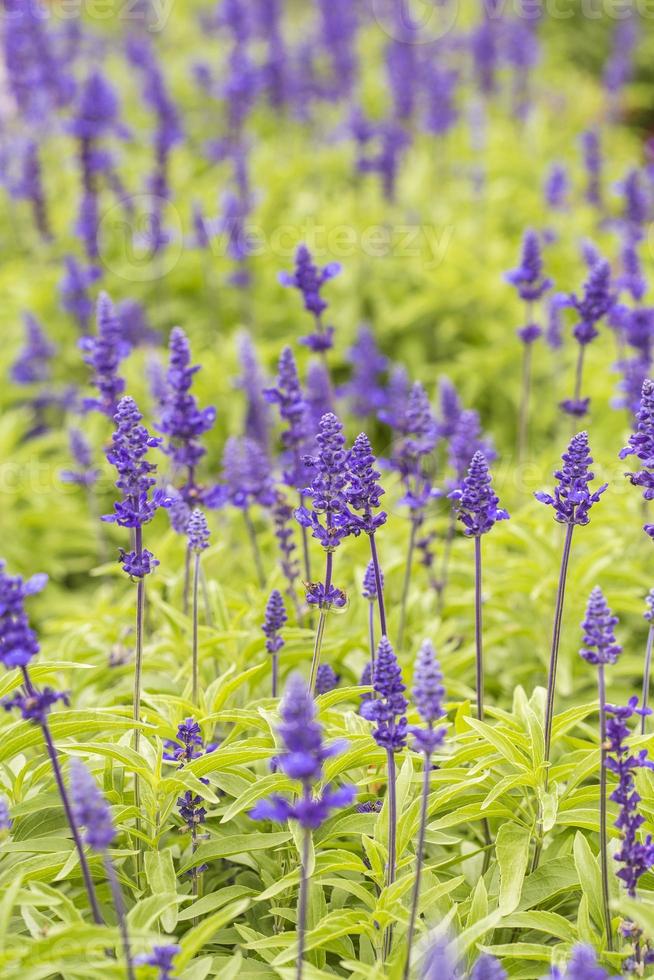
528 277
182 420
303 759
247 476
35 706
33 361
330 475
488 968
326 679
287 394
18 641
130 444
595 303
274 621
197 530
428 693
369 590
365 492
5 820
450 408
86 474
557 187
477 502
103 354
74 291
592 156
162 958
466 440
365 390
572 498
600 646
389 704
635 857
641 445
187 744
582 966
90 807
309 279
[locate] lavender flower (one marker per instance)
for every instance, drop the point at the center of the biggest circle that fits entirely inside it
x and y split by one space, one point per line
282 515
181 419
187 744
86 474
450 408
90 807
74 291
30 188
365 390
641 445
246 474
303 759
179 513
636 857
636 207
388 707
197 531
328 519
326 679
428 693
488 968
18 641
466 440
162 958
5 820
33 361
130 444
572 500
557 187
319 394
103 354
418 431
251 382
274 621
528 277
309 279
592 157
581 966
294 411
364 492
369 591
477 502
595 303
600 646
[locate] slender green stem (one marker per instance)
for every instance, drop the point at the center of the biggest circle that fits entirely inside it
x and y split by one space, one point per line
379 584
646 673
426 782
256 554
604 845
523 426
119 905
450 534
138 677
551 679
187 578
371 635
68 810
392 841
196 662
479 658
322 621
303 903
407 582
205 598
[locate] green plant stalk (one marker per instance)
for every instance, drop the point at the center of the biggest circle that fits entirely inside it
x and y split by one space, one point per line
392 842
303 901
479 684
119 905
379 585
551 679
646 674
138 679
256 553
407 582
604 845
68 810
415 897
196 662
371 635
322 620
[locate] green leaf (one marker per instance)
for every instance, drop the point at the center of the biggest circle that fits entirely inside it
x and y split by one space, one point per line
590 878
196 938
235 844
512 849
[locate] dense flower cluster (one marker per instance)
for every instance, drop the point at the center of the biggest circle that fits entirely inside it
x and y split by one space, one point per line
247 479
476 500
293 409
18 641
641 445
329 519
182 420
309 279
572 498
103 354
387 707
636 857
326 679
428 694
600 645
33 361
197 531
86 474
129 448
364 492
274 621
528 277
161 958
303 759
369 590
595 303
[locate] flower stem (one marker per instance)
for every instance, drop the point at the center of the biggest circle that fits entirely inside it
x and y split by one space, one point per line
138 675
392 841
196 664
63 793
426 781
371 635
479 655
256 554
445 565
379 585
604 857
119 905
187 578
523 425
322 619
551 679
303 902
275 674
407 582
306 556
646 673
